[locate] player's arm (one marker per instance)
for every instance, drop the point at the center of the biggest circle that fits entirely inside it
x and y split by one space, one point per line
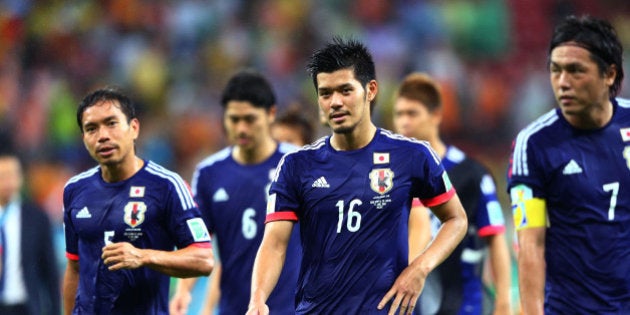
419 229
70 285
530 221
500 266
214 291
268 264
192 261
182 297
410 282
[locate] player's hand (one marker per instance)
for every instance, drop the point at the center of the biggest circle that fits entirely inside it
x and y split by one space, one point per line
122 255
179 303
261 309
405 291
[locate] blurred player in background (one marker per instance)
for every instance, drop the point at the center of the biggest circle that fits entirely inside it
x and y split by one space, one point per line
231 188
569 180
456 286
293 127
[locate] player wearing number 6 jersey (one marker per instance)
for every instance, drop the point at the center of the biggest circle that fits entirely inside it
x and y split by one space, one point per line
569 179
348 192
231 188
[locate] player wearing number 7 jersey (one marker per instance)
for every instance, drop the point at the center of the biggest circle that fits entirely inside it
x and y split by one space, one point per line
569 179
348 193
231 188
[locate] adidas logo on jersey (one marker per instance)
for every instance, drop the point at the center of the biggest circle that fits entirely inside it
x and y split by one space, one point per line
220 195
321 183
572 168
84 214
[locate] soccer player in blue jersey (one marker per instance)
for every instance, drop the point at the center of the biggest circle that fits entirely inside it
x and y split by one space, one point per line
348 192
456 286
123 219
231 188
569 178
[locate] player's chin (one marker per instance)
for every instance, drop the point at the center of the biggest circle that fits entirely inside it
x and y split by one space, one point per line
341 129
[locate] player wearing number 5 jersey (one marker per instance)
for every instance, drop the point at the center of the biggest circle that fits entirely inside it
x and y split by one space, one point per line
348 192
123 218
569 181
231 188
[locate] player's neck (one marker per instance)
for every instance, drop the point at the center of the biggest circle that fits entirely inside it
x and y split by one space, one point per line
439 147
112 173
597 117
255 155
354 140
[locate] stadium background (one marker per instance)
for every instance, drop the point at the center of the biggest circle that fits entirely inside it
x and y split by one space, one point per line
175 57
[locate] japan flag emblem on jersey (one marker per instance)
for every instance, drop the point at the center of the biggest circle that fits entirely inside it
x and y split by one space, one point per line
381 180
136 191
380 158
134 213
625 134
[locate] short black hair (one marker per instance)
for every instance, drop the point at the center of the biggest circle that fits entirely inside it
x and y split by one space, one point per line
598 37
293 118
109 93
343 54
249 86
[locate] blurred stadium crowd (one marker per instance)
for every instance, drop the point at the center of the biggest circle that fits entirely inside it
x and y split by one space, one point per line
174 57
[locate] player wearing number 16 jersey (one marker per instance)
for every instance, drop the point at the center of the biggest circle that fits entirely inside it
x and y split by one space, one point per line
569 181
348 192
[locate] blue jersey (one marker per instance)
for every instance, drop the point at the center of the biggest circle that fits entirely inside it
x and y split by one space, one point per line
584 177
152 209
233 198
456 284
349 205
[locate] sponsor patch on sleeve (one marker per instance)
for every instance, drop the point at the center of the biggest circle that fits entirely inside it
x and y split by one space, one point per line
447 181
198 230
271 203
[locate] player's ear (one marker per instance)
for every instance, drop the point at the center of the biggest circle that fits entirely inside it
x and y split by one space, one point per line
134 125
437 115
371 90
272 113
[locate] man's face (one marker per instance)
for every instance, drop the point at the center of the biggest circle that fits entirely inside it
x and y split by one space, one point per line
10 178
343 100
107 135
577 82
413 119
247 126
287 133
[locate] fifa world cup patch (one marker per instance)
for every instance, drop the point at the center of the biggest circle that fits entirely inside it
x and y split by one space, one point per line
527 211
198 230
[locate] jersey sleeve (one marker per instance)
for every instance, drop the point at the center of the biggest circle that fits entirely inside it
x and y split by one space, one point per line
526 167
282 203
433 184
71 239
187 225
489 219
525 184
200 190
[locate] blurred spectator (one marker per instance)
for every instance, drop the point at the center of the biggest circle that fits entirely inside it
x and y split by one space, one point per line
29 279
